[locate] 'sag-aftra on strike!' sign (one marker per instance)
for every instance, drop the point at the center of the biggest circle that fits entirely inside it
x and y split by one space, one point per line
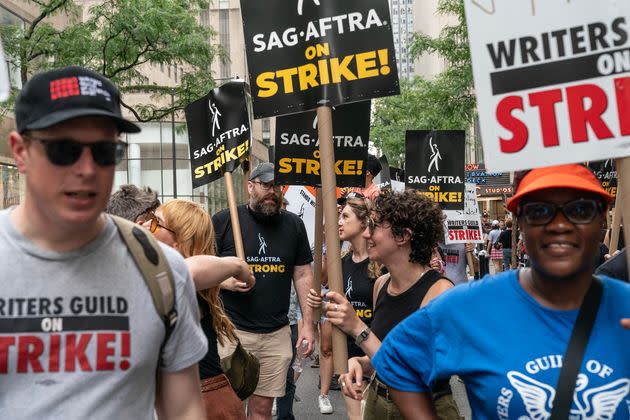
302 54
552 80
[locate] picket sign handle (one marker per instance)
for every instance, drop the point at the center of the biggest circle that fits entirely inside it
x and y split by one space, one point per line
246 164
333 248
236 224
471 262
316 284
617 213
623 173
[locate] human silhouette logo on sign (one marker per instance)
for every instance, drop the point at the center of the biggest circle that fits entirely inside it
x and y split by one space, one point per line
436 157
301 4
215 116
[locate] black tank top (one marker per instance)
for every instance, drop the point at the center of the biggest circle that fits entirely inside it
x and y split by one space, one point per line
389 310
210 365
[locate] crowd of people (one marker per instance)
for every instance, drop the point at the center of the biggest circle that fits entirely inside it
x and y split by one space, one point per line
82 333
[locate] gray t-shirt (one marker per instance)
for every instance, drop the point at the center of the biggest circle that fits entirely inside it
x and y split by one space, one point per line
79 333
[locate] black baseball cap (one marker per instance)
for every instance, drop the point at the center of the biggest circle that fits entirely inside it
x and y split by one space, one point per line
55 96
263 171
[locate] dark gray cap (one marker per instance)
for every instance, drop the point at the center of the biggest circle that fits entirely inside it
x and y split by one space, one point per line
263 171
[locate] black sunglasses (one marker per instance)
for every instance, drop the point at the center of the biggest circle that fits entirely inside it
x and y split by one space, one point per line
65 152
579 211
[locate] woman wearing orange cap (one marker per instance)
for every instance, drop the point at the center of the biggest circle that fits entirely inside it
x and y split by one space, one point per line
507 335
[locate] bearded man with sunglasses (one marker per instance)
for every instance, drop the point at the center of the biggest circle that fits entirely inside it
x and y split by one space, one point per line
507 335
79 334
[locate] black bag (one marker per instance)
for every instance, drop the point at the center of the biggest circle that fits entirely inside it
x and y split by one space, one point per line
497 245
242 369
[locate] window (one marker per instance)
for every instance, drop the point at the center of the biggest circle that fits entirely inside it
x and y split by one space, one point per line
266 131
8 18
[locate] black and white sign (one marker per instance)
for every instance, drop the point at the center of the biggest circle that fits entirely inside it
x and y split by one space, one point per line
218 132
297 146
606 172
434 165
305 53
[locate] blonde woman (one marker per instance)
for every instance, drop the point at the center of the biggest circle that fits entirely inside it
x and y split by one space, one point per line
187 227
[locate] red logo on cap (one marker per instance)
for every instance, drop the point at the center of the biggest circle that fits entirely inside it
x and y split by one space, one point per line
62 88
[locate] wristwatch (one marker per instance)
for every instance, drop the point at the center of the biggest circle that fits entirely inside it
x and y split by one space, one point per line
363 335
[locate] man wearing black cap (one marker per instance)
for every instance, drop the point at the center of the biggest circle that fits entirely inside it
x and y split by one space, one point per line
277 250
79 334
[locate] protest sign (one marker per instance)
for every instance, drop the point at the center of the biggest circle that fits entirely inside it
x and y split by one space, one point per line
463 226
302 202
606 172
302 54
434 165
218 132
297 155
5 86
552 80
383 180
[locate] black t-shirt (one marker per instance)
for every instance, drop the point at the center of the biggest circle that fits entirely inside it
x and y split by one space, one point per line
210 365
358 288
273 247
505 238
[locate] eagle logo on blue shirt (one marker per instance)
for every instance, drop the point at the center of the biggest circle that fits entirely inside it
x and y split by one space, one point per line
596 403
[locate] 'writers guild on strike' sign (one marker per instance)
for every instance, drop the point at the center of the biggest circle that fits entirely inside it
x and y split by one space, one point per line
434 165
302 54
552 80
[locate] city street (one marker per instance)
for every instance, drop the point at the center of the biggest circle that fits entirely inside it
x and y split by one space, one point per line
305 406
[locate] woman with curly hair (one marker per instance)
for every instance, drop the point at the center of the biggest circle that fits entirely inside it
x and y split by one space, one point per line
187 227
403 231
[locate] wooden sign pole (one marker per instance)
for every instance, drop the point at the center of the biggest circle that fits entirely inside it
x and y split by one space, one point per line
333 248
316 284
236 224
617 212
246 170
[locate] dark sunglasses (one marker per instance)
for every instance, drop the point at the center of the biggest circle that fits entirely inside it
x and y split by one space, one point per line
155 224
354 196
580 211
65 152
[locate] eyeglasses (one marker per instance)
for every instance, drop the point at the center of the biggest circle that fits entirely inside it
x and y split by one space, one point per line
65 152
155 224
372 225
580 211
267 185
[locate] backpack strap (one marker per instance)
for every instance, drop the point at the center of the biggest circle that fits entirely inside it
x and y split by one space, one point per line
157 274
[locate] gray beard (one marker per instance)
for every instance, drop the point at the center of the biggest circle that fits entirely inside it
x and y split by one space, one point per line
267 209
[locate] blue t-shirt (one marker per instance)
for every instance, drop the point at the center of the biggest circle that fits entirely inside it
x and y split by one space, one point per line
508 349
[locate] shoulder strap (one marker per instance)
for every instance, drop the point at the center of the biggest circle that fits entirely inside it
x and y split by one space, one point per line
575 351
155 270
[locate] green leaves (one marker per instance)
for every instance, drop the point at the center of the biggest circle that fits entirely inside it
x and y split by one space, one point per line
122 39
445 102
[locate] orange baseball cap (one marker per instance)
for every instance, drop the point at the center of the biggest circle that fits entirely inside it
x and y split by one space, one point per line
576 177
